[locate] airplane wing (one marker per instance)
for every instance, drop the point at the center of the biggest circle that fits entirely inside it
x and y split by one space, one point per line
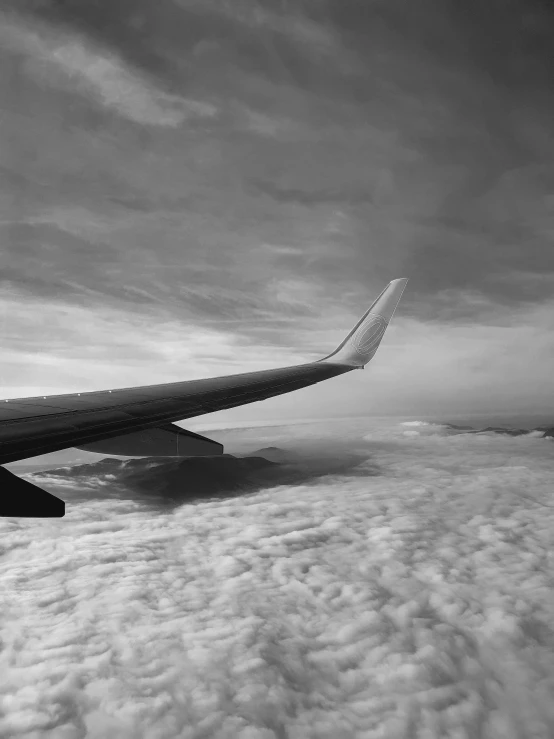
137 421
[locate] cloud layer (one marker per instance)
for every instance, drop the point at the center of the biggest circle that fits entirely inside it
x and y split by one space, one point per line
413 601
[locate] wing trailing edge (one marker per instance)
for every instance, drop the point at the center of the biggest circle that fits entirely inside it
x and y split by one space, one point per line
167 440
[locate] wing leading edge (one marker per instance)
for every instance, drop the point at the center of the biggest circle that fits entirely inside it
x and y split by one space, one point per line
35 426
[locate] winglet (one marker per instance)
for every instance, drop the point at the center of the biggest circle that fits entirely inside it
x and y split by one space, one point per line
363 341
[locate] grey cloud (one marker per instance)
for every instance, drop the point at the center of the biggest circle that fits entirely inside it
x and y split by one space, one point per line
48 260
313 197
69 63
53 287
445 168
36 238
275 39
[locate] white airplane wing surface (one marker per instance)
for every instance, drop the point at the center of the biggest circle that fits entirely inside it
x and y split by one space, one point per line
138 421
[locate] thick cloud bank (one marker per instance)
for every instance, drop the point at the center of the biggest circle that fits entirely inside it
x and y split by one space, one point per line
408 596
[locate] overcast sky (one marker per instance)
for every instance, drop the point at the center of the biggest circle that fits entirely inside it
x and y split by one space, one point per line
195 188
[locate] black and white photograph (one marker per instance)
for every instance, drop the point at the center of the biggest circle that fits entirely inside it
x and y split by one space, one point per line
214 213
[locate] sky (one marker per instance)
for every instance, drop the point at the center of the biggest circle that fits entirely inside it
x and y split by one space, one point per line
192 188
406 593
